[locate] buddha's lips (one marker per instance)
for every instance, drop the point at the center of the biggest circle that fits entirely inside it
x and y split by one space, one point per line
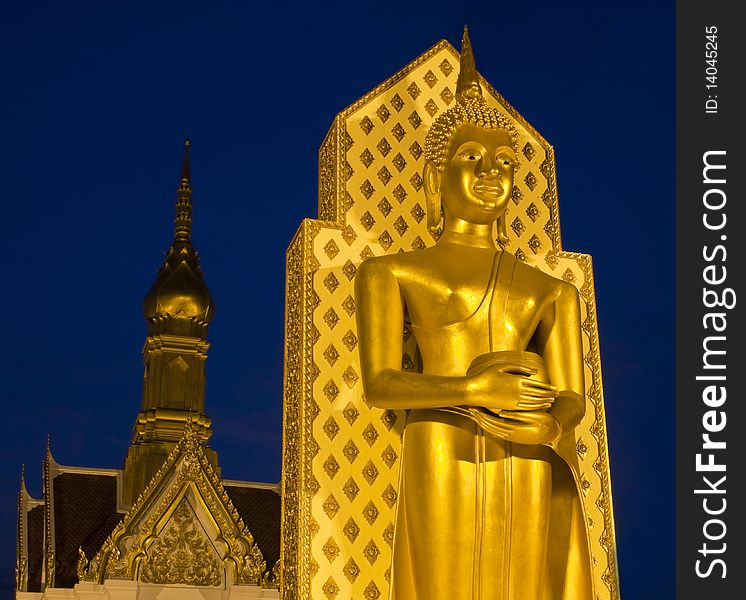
491 190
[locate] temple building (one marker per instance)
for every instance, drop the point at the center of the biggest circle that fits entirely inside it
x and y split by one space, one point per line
166 525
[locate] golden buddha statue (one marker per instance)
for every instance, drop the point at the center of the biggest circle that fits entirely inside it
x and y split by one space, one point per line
488 506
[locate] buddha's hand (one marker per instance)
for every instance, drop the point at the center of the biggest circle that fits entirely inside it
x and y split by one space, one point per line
531 428
508 386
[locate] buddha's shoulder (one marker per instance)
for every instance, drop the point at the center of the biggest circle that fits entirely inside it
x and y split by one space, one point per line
399 265
534 277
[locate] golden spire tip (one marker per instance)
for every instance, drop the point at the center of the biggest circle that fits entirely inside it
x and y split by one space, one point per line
467 85
183 219
185 162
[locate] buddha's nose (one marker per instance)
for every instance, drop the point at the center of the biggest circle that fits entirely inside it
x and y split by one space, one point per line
488 167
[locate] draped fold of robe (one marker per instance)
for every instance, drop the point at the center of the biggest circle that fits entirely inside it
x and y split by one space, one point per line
480 518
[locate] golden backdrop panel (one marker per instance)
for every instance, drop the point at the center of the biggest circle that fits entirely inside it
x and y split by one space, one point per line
340 457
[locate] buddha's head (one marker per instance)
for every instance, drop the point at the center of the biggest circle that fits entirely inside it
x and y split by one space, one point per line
471 156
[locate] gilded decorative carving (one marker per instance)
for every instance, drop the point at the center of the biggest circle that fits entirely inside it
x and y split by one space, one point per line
271 578
21 550
186 471
181 554
294 309
21 573
49 555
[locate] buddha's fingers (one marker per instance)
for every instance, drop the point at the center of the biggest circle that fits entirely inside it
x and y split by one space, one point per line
517 369
536 398
501 430
538 392
539 385
532 407
531 404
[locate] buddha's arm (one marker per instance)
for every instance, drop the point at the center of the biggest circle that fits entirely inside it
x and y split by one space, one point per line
560 343
380 317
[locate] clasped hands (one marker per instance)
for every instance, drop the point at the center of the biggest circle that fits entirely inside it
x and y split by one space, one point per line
519 405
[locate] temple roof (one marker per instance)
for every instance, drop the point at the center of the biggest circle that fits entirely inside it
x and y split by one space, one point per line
82 508
85 513
259 507
188 484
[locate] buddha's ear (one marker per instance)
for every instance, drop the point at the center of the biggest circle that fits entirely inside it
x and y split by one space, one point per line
431 183
502 231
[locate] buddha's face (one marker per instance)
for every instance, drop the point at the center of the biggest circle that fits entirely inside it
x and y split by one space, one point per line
477 179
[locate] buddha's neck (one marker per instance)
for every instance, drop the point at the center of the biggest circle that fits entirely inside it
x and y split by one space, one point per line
464 233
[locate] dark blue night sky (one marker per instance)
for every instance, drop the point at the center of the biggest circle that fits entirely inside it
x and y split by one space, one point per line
95 103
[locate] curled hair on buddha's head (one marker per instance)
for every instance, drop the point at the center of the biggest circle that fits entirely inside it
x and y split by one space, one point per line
473 111
470 108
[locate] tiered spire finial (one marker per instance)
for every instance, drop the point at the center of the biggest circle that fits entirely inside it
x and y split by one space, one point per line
180 289
185 162
183 219
467 85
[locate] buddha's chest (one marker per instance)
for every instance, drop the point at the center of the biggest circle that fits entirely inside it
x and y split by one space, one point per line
460 314
504 301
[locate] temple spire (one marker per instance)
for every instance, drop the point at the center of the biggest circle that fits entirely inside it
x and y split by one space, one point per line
183 220
467 85
185 161
178 309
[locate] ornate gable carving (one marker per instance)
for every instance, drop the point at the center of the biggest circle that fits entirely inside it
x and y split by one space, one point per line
182 553
183 529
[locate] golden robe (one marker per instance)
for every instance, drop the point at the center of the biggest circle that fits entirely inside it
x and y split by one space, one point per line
480 518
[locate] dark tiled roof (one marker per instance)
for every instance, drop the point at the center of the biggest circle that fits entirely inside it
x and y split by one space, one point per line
260 510
85 512
35 545
92 544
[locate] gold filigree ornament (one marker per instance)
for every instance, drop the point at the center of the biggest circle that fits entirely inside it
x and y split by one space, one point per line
182 554
271 578
158 542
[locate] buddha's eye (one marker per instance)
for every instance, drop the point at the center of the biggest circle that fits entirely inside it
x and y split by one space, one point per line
471 156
